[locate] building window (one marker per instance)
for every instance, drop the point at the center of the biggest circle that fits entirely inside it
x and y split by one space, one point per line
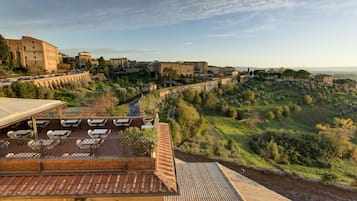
32 41
34 52
34 57
24 48
33 47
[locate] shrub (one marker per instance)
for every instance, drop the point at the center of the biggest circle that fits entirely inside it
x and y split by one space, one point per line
329 178
231 112
279 113
286 110
305 149
295 108
308 99
249 95
270 115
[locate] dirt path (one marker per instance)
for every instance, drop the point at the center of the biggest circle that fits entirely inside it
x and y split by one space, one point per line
291 187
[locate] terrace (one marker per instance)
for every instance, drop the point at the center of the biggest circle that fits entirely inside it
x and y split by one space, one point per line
84 147
78 144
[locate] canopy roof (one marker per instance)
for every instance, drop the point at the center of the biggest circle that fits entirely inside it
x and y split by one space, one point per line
13 110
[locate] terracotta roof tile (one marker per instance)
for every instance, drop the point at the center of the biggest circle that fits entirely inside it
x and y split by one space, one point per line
165 159
81 184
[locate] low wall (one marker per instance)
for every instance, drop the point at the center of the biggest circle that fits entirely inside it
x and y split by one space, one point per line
139 163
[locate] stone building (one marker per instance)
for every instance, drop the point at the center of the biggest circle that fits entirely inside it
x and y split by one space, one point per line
182 69
34 54
200 67
324 78
119 62
83 59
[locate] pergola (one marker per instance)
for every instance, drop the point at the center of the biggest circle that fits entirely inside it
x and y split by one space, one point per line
14 110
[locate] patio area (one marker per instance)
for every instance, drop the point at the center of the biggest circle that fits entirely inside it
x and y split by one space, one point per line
84 140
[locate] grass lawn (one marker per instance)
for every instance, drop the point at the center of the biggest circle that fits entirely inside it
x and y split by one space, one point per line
345 169
239 131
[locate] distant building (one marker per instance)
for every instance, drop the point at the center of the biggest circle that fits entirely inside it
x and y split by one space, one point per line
150 87
182 69
324 78
83 59
66 59
213 70
121 63
200 67
244 78
33 54
353 85
95 62
234 73
229 71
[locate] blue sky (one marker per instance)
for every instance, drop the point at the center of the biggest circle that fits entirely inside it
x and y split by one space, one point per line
261 33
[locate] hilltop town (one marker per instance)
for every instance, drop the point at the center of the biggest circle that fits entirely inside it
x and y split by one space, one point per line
123 124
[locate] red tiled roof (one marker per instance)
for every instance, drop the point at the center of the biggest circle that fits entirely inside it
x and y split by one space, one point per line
165 162
81 184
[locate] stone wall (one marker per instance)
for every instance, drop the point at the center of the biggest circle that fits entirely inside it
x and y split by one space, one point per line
60 81
202 86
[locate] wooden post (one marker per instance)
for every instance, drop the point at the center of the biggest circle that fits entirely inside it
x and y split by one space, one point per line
34 126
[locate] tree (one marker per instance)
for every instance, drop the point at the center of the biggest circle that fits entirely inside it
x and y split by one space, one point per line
210 100
103 66
302 74
189 95
308 99
279 113
4 50
197 99
44 93
175 131
289 73
191 123
270 115
295 108
231 112
169 74
24 89
249 95
342 132
105 104
286 110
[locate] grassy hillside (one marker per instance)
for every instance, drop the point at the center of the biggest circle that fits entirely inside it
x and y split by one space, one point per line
228 138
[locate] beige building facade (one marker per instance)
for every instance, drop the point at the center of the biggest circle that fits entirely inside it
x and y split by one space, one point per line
200 67
33 54
324 78
182 69
83 59
119 62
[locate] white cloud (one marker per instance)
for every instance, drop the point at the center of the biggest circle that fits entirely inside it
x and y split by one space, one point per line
222 35
120 14
96 52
